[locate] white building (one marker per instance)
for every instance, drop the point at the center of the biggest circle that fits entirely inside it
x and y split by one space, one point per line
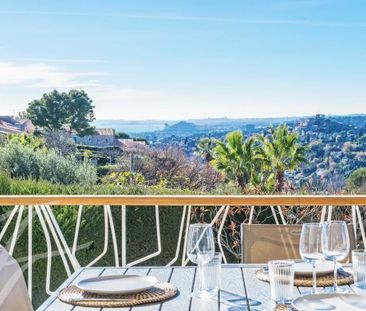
103 137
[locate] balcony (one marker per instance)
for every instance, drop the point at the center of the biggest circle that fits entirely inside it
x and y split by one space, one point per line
52 236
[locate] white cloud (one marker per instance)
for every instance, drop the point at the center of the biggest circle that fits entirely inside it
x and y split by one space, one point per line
40 75
21 83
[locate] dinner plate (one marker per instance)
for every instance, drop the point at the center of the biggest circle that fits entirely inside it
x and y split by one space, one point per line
325 302
117 284
324 267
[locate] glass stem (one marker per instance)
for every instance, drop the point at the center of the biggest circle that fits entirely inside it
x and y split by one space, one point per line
314 278
201 276
335 287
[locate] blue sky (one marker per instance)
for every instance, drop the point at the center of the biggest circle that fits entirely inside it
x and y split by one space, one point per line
144 59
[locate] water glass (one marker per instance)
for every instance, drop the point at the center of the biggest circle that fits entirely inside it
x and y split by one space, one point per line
281 278
212 275
359 267
311 246
335 245
200 250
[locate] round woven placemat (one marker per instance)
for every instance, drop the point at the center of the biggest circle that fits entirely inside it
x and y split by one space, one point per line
343 278
77 297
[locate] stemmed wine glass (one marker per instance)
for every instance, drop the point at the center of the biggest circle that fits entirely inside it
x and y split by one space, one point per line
311 246
336 245
200 250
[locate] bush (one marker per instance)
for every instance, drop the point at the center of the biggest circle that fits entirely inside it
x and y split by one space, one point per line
19 160
22 161
86 173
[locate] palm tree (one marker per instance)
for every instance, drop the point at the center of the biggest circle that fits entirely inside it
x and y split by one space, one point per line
281 152
205 148
235 157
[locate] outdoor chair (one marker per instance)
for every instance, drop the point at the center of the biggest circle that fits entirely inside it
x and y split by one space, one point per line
13 290
261 242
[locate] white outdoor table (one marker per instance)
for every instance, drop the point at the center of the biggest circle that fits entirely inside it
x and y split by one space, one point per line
240 289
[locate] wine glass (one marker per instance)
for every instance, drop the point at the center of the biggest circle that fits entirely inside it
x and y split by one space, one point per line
336 245
311 246
200 250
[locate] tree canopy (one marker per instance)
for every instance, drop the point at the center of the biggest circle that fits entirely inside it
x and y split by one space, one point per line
235 157
258 162
72 111
357 180
281 152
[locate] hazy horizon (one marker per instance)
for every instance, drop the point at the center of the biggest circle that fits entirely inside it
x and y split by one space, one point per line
229 118
144 126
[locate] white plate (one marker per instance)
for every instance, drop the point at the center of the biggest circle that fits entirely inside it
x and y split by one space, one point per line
324 267
117 284
325 302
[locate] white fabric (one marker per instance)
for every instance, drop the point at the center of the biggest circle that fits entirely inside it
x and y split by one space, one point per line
13 290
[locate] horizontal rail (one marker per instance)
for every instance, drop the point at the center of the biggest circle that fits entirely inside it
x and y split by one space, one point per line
181 200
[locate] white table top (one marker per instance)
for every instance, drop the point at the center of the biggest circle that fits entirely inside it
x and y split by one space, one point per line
240 289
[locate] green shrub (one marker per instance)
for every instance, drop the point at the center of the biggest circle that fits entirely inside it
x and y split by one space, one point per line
19 160
22 161
86 173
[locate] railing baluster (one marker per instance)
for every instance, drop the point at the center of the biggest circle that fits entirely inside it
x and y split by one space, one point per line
105 247
251 215
180 234
56 239
354 221
274 215
75 264
281 215
113 233
220 232
361 225
16 230
77 229
49 250
324 211
30 251
330 211
8 221
186 236
123 238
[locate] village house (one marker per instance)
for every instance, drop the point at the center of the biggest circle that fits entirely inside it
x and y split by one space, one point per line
11 125
103 137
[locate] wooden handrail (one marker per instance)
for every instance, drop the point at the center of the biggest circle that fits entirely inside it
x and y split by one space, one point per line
181 200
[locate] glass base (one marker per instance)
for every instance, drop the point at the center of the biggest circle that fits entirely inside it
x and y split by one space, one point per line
318 290
340 289
203 294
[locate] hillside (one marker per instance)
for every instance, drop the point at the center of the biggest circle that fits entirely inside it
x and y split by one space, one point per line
337 145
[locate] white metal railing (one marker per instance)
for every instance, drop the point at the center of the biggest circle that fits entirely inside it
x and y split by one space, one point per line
26 208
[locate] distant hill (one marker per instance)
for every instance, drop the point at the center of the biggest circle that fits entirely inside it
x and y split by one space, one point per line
181 128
